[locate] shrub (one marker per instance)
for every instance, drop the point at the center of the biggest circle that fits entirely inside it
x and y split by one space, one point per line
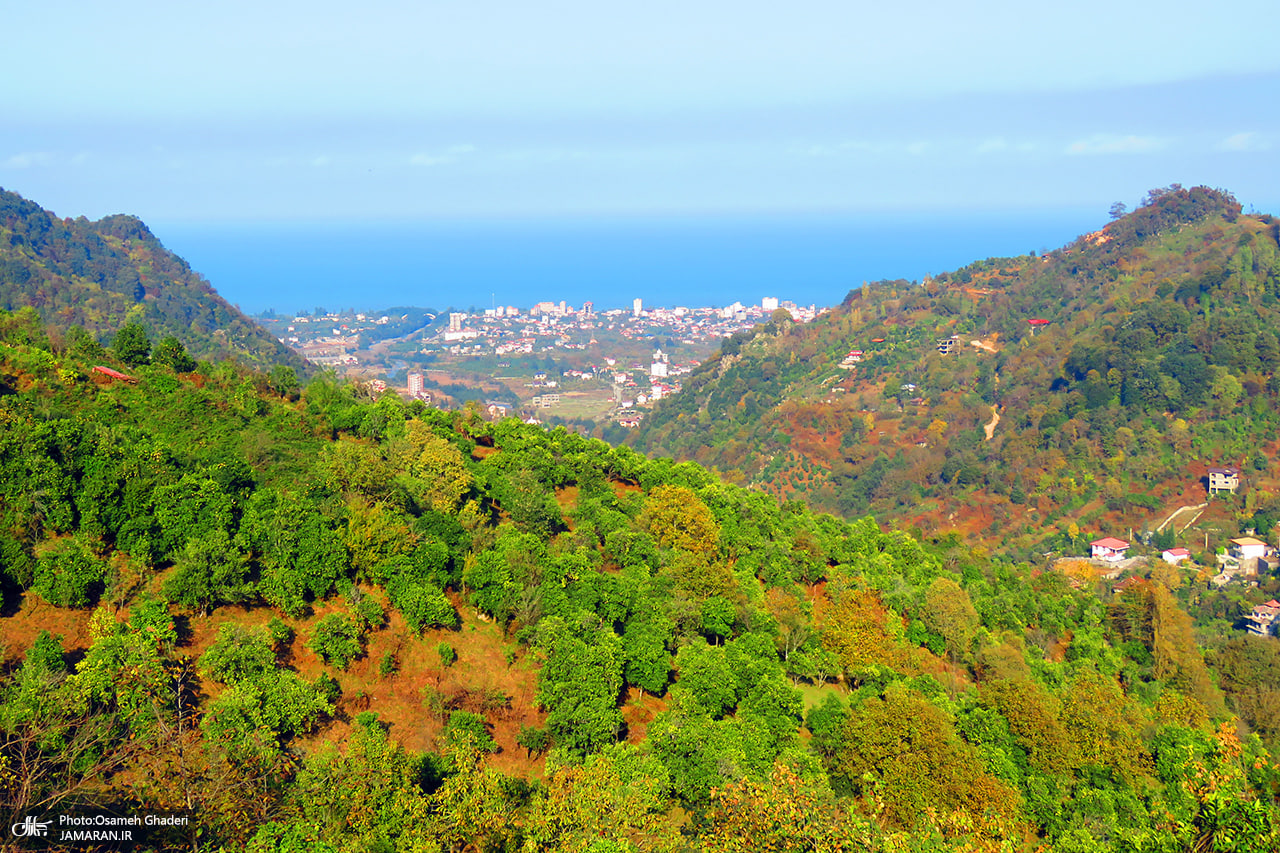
369 612
465 726
389 666
328 687
448 654
535 740
239 654
336 640
281 634
423 604
68 575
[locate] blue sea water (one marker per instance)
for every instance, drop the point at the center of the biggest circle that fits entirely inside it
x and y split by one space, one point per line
291 267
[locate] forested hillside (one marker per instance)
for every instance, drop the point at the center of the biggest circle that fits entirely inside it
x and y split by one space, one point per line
1088 389
98 276
314 621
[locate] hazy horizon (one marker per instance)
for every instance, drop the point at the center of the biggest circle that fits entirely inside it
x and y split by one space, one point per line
291 112
665 261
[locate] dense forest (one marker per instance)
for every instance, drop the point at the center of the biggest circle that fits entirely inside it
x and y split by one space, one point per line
312 620
97 276
1085 390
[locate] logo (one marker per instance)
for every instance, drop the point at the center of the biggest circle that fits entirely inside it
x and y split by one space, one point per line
31 828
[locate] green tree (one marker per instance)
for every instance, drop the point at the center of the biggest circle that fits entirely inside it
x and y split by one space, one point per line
701 754
211 571
336 639
67 574
471 726
718 615
579 686
171 353
131 345
644 644
422 603
705 672
283 380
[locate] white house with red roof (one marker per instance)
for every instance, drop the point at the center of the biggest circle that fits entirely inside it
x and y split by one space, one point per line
1260 620
1108 548
1173 556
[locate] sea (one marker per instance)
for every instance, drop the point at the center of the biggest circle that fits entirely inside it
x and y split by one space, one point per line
696 262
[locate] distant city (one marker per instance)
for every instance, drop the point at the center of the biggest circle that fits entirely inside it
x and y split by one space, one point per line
546 358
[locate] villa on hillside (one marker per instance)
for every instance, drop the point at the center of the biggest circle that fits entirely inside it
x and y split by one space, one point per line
1223 480
1259 621
1245 559
1109 549
1173 556
1248 548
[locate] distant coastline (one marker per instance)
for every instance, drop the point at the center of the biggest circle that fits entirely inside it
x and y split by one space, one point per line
292 267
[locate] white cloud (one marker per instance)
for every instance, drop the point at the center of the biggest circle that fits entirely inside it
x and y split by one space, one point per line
321 160
448 155
28 159
1110 143
1248 141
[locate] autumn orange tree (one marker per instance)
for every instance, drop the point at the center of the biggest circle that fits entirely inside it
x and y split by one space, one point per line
677 518
785 812
905 751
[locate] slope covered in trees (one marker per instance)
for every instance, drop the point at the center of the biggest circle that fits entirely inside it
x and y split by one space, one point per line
1088 389
100 275
219 595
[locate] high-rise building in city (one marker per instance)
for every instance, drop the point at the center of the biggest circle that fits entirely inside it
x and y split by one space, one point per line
416 385
637 307
769 303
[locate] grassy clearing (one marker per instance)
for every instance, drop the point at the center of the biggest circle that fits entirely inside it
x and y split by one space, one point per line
594 405
814 694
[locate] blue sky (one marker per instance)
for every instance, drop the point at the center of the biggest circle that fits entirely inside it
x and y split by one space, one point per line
293 111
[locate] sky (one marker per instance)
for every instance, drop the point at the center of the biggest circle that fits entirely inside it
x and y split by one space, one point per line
287 111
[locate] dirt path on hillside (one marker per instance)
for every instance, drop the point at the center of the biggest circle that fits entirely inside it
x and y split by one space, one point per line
1179 511
990 427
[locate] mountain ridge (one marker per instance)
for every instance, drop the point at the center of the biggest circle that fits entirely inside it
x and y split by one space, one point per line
1152 333
103 274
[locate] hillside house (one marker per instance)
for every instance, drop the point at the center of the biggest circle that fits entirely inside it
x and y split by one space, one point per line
1223 480
1173 556
1109 549
544 401
1248 548
1260 620
946 346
